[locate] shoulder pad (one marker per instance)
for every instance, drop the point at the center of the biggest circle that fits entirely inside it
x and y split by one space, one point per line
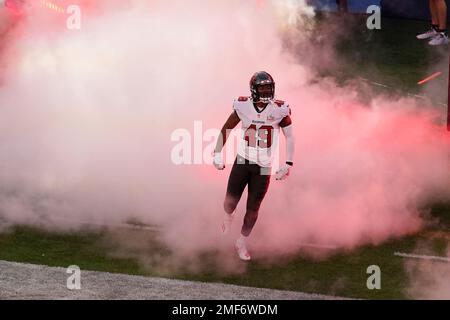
243 99
279 103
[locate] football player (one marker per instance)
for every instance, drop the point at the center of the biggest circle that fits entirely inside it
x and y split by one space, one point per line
262 117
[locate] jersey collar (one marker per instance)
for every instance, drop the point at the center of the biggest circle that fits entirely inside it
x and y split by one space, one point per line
262 110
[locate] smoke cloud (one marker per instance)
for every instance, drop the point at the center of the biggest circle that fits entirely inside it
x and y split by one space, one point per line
428 279
87 118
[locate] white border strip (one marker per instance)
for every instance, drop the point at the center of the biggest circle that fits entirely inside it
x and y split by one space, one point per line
418 256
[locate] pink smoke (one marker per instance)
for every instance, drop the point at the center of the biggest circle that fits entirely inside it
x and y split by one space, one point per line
87 118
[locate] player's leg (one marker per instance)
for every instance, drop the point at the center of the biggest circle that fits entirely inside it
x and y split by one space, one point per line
441 13
257 189
239 177
434 22
237 182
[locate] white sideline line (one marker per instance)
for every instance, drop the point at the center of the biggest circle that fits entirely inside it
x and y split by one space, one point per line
418 256
407 93
106 225
379 84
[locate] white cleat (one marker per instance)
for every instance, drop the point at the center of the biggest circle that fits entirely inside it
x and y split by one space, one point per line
226 224
242 250
440 39
427 35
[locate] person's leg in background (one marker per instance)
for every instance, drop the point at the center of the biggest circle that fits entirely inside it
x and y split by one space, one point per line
441 12
440 9
434 23
342 5
434 15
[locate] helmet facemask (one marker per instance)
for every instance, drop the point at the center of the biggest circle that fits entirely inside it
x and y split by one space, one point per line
265 92
262 87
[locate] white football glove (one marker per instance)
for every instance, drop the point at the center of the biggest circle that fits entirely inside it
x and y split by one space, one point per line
218 161
283 172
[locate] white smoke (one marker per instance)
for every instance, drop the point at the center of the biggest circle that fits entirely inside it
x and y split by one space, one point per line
87 117
428 279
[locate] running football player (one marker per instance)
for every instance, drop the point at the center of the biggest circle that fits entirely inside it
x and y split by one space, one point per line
262 117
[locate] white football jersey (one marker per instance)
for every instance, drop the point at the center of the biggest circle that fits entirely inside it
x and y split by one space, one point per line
260 129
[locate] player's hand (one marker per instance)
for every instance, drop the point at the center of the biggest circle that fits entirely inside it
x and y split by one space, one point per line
218 161
283 172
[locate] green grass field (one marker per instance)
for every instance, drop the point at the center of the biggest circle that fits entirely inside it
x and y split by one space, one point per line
343 274
391 56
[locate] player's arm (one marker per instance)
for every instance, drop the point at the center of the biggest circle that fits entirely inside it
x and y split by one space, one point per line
288 132
232 121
